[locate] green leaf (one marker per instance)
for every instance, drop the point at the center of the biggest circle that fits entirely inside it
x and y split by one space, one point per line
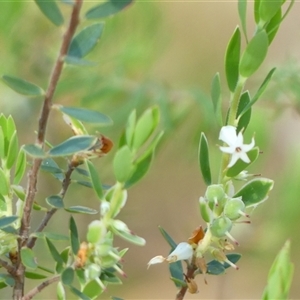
78 293
73 145
256 11
176 272
50 235
280 275
3 141
28 258
20 167
245 118
267 9
34 151
33 275
84 183
50 9
85 40
215 268
67 276
130 237
81 210
4 185
93 289
141 168
5 221
260 91
107 9
255 191
233 257
86 115
123 164
75 243
53 251
60 291
55 201
232 59
75 61
145 126
129 132
216 97
242 8
240 165
179 283
97 186
7 279
203 155
12 151
254 54
273 26
167 237
49 165
23 87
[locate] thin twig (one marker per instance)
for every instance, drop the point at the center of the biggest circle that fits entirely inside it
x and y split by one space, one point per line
190 274
33 172
40 287
10 269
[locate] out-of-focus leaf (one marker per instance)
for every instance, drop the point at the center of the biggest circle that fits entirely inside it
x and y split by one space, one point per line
81 210
273 26
67 276
93 174
242 8
5 221
267 9
75 61
85 40
123 164
20 167
50 9
73 145
233 257
60 291
28 258
86 115
254 54
203 154
216 97
167 237
92 289
50 235
255 191
34 151
34 275
12 151
55 201
232 59
4 185
176 272
79 294
215 268
22 86
106 9
74 236
53 251
129 132
245 118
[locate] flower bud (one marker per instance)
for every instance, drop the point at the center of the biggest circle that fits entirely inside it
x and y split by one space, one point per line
205 210
220 226
215 195
234 208
92 271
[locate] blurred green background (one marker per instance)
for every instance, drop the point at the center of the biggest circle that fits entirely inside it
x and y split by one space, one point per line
166 53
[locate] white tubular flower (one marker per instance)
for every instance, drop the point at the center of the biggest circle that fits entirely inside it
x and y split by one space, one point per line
236 146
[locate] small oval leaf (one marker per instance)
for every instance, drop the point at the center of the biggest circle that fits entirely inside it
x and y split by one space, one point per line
33 275
123 165
50 9
255 191
67 276
34 151
73 145
254 54
55 201
108 8
22 86
85 40
28 258
203 155
81 210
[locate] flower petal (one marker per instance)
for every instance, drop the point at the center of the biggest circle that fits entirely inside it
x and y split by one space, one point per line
181 252
234 158
228 135
156 260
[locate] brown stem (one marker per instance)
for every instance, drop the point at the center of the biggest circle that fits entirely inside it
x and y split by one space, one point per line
190 274
18 290
40 287
10 269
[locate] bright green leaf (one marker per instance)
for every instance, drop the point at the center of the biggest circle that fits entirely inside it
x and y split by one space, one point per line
28 258
123 164
240 165
75 61
6 220
34 151
216 97
4 185
203 155
256 11
129 132
267 9
242 8
50 9
60 291
81 210
130 237
86 115
75 243
78 293
254 54
55 201
93 289
107 9
33 275
22 86
273 26
97 186
245 118
20 167
255 191
73 145
67 276
53 251
232 59
12 151
85 40
50 235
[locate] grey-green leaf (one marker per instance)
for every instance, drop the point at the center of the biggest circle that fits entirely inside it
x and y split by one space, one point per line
108 8
55 201
73 145
7 220
203 155
254 54
53 251
81 210
167 237
255 191
97 186
232 59
50 9
85 40
176 272
34 151
86 115
67 276
245 118
28 258
74 236
22 86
